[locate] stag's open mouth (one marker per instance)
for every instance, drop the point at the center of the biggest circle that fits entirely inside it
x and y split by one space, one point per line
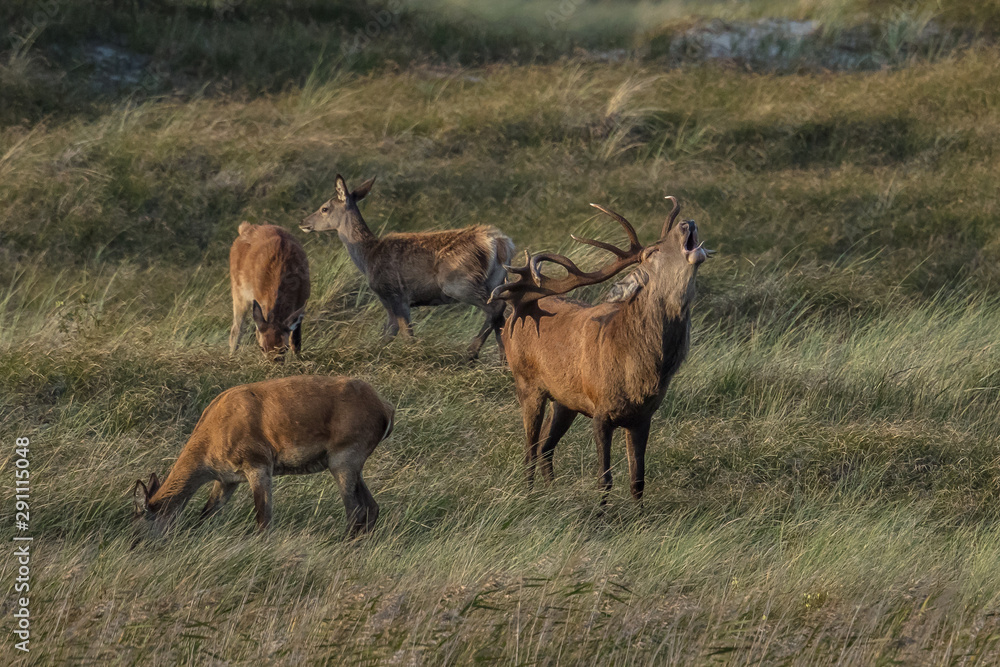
692 249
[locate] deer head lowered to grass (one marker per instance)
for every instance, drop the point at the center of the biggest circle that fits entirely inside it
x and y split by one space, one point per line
610 361
288 426
269 275
420 269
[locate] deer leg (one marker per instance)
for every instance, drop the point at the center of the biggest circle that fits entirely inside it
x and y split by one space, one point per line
368 501
260 484
297 339
532 412
353 493
398 320
219 496
403 321
239 316
494 322
635 447
481 337
556 424
391 327
603 429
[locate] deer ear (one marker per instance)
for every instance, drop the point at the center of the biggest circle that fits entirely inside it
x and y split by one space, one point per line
341 189
295 319
140 497
363 189
258 316
153 484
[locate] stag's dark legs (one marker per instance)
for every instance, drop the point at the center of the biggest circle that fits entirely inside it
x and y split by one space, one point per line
532 412
219 496
603 429
297 339
635 447
557 423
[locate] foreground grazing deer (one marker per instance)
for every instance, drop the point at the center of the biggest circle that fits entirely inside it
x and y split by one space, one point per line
289 426
611 361
420 269
269 273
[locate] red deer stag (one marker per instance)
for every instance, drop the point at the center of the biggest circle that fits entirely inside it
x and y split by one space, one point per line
611 361
269 273
420 269
288 426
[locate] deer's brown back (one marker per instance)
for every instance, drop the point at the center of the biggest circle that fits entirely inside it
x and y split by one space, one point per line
291 422
267 261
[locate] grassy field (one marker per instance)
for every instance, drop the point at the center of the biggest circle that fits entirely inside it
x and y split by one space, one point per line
823 478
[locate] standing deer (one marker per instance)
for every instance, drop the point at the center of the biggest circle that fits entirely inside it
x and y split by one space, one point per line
611 361
420 269
288 426
269 273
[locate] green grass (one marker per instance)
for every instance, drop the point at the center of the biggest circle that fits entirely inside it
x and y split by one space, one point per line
823 476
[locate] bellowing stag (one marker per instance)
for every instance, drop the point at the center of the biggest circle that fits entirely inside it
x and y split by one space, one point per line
423 268
610 361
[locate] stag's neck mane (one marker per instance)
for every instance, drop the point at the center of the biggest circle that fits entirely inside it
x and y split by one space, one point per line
654 326
359 241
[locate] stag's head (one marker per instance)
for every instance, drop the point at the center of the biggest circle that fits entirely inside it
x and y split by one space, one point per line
274 335
670 264
340 211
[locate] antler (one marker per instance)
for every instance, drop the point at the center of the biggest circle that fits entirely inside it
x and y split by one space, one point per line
670 218
532 284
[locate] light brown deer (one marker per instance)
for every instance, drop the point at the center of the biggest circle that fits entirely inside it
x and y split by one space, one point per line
269 273
611 361
420 269
288 426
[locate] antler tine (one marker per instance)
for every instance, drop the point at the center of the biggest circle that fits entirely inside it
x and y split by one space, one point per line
561 260
522 271
633 239
673 215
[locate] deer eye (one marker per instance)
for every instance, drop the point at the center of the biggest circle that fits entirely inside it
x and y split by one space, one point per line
326 209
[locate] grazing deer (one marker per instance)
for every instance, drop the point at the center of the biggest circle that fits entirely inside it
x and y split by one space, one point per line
420 269
611 361
288 426
269 273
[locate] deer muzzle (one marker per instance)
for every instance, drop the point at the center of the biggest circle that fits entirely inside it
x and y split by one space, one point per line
693 251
